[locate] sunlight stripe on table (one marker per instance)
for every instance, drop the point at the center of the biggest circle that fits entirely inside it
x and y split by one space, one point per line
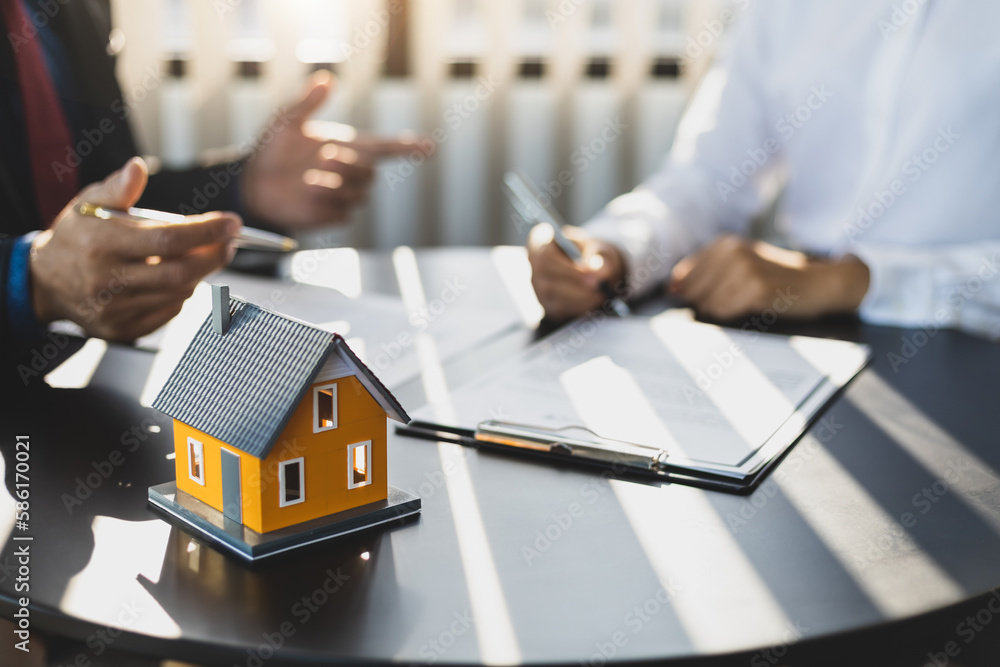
721 602
967 475
870 543
512 266
77 371
494 629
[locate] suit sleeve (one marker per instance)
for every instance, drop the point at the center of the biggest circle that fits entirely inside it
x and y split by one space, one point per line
216 187
196 190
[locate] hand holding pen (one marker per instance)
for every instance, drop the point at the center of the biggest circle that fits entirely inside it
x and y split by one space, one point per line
119 278
248 238
584 277
567 288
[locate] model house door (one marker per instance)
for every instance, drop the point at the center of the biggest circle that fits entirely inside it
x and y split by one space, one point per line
232 505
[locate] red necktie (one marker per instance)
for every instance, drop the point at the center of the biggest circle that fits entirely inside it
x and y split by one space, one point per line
49 137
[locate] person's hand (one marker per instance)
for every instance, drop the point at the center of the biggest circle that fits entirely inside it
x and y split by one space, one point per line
566 289
120 279
733 277
310 173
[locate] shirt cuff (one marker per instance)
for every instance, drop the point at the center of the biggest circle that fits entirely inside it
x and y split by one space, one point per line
897 294
634 223
24 326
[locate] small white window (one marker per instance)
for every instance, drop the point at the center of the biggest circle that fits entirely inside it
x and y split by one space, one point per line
196 461
325 408
359 464
292 482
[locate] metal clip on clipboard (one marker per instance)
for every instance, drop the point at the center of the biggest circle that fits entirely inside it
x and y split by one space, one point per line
553 442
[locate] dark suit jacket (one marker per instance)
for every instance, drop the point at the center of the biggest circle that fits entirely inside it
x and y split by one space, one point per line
97 109
83 27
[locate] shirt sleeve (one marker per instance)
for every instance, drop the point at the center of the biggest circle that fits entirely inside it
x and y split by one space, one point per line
715 177
955 286
19 329
20 325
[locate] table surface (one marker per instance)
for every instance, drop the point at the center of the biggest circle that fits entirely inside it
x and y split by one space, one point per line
887 509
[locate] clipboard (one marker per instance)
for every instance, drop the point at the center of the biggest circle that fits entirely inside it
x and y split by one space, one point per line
577 445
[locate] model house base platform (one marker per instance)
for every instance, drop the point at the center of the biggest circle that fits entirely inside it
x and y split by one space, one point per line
209 524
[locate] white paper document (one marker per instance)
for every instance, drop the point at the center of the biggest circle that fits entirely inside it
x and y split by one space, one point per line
701 392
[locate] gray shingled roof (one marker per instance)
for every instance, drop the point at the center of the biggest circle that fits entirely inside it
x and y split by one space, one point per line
242 387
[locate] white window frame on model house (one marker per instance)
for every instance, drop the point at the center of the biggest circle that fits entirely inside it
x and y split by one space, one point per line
282 479
351 453
196 453
332 388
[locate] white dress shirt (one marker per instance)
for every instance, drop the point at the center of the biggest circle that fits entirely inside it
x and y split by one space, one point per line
880 119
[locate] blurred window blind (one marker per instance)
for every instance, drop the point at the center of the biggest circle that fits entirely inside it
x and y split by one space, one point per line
582 96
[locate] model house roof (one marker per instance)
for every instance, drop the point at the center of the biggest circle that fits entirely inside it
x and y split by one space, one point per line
241 386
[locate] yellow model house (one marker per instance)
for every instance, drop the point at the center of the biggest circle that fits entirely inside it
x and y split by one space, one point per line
276 422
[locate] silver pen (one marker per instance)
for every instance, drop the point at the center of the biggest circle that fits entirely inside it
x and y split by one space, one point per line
527 201
249 238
